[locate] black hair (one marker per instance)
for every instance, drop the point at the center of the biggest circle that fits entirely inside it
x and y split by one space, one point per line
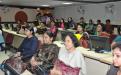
117 45
73 38
63 20
30 28
36 23
78 25
108 20
103 27
99 21
50 34
51 22
91 20
81 17
70 18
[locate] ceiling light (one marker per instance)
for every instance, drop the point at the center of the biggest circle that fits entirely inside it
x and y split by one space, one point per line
45 5
67 3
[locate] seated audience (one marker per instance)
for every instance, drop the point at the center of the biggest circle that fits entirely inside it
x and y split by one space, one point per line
29 45
48 52
53 27
115 68
48 37
99 22
89 27
70 59
57 22
79 29
79 32
25 52
41 28
108 27
117 39
82 22
71 23
62 23
100 31
47 20
82 37
45 59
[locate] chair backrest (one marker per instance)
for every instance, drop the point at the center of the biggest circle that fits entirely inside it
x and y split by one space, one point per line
112 37
9 39
102 42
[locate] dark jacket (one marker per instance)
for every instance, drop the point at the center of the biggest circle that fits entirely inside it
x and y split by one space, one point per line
28 47
112 71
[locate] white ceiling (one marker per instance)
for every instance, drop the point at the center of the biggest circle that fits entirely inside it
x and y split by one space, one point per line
36 3
51 3
94 0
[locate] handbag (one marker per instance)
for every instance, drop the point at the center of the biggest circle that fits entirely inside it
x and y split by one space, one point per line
67 70
15 64
84 43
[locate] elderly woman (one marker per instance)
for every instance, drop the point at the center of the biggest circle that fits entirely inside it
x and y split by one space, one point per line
70 60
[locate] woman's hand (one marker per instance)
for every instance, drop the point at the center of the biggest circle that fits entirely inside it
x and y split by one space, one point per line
55 72
33 62
17 54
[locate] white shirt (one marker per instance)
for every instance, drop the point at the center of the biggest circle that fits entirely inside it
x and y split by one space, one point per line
73 59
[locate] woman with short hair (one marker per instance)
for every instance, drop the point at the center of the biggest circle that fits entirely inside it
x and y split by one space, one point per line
70 60
29 45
